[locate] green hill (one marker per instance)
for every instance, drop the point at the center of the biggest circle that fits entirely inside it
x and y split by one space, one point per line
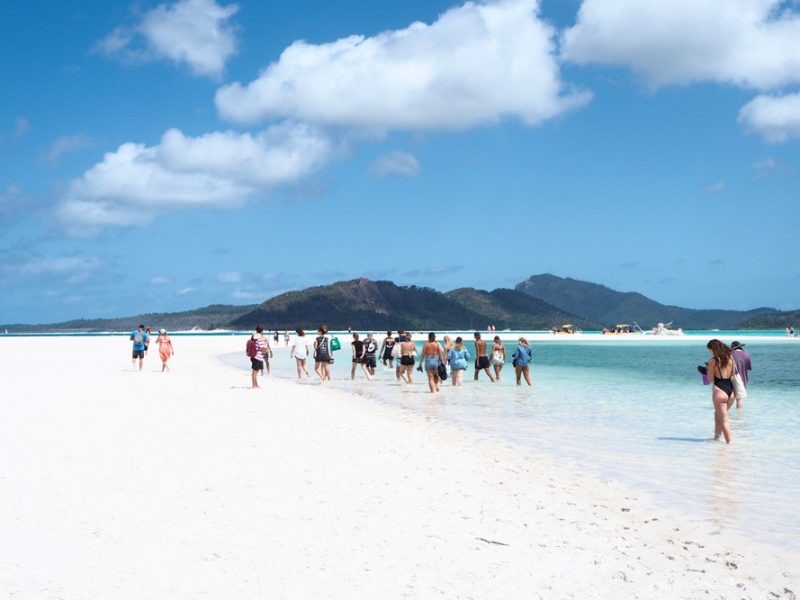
601 304
216 316
380 305
510 309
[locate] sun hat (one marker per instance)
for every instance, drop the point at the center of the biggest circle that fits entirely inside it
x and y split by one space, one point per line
162 331
736 345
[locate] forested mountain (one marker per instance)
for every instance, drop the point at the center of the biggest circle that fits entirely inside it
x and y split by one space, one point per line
540 302
601 304
380 305
510 309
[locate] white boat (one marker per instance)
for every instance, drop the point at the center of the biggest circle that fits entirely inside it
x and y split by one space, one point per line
662 329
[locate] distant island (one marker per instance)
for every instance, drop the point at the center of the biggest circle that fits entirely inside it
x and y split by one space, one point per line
538 303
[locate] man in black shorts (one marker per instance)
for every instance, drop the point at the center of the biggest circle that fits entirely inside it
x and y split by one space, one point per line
481 358
369 362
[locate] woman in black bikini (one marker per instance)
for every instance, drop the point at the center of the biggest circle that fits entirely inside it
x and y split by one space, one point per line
720 370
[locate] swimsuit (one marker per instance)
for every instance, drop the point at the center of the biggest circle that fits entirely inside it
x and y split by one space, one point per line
724 383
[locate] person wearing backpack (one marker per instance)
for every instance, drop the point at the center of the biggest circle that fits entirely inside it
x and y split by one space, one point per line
255 351
140 341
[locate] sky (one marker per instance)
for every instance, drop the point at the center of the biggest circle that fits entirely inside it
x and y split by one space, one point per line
158 157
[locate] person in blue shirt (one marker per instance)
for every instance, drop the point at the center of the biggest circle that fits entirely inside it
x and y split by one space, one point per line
521 359
139 339
458 356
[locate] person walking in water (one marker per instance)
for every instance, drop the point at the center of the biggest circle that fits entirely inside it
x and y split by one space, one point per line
357 347
405 370
521 359
322 354
743 364
386 350
369 361
432 356
165 349
719 369
300 353
140 341
498 356
481 358
458 356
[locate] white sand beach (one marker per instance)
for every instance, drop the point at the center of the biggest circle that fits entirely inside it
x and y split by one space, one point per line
189 484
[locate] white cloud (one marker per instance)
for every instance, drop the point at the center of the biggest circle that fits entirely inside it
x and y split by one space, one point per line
221 169
398 162
750 43
187 290
65 145
192 32
476 64
160 280
775 118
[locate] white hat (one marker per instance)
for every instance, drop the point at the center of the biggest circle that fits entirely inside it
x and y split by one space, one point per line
162 331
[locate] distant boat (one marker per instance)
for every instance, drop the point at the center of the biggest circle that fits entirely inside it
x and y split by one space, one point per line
662 329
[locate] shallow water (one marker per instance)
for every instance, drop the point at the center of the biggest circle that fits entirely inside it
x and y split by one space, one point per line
637 413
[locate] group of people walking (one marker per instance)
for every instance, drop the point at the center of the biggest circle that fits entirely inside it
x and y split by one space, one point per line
437 360
141 344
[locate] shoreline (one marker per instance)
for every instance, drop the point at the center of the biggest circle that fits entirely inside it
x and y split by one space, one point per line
133 484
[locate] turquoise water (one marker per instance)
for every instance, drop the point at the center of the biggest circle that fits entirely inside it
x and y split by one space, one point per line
633 412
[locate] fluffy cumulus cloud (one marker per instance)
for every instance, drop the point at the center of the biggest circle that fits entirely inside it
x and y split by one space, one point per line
220 169
197 33
477 63
776 118
750 43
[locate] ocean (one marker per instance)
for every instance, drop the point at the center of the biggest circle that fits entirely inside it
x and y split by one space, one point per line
631 411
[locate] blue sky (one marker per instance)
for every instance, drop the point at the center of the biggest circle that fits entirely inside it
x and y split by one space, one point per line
167 156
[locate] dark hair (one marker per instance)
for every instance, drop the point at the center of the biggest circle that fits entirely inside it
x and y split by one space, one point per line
140 327
389 333
299 331
431 336
355 335
259 328
323 329
721 352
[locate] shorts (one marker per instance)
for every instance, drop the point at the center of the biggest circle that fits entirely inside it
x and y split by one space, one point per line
406 360
432 364
138 354
482 362
257 364
369 361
